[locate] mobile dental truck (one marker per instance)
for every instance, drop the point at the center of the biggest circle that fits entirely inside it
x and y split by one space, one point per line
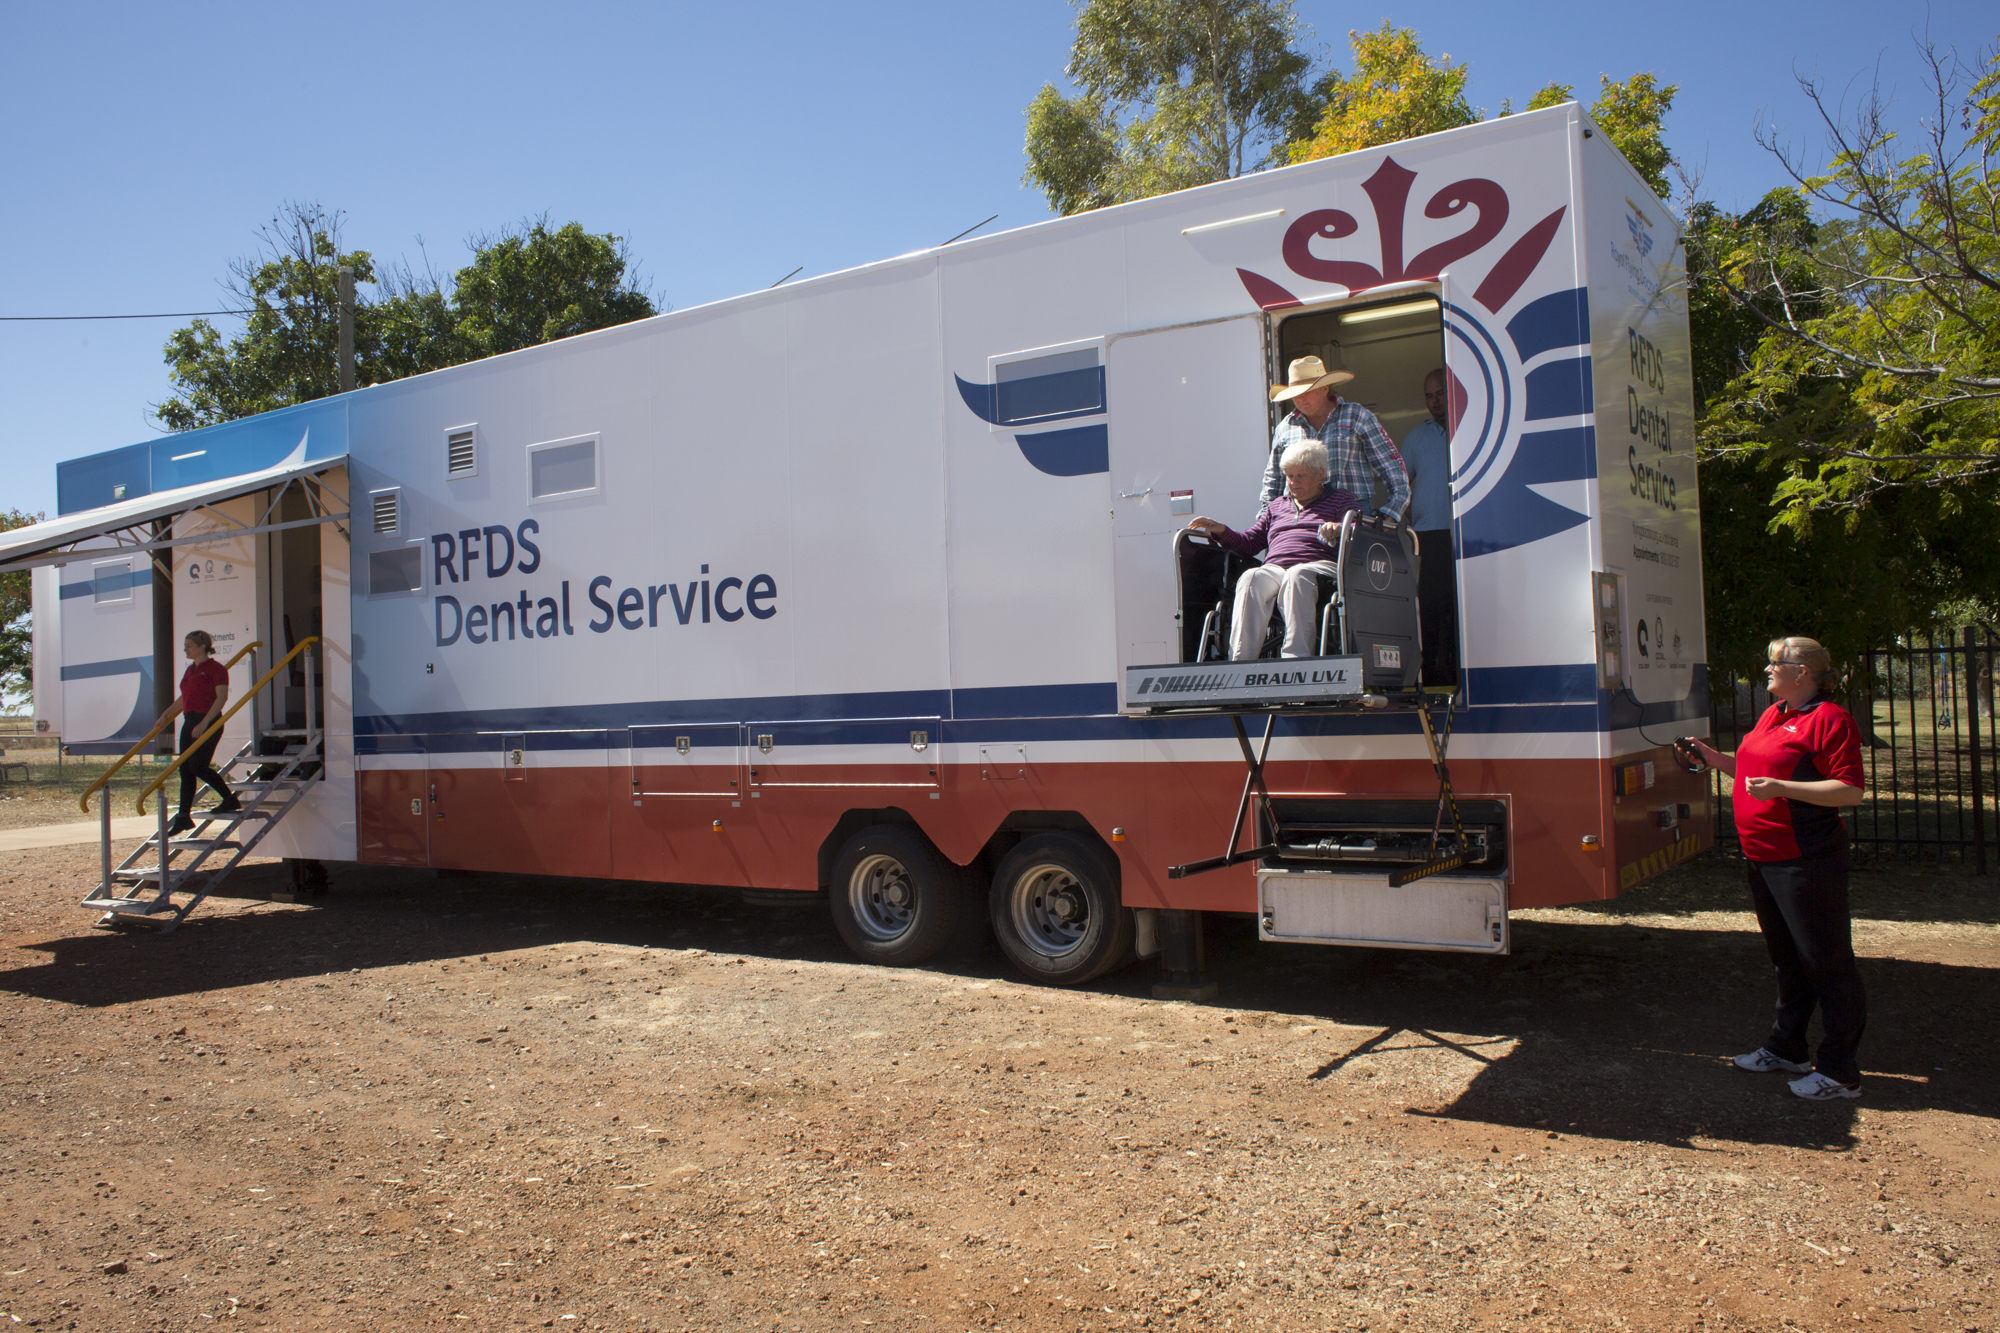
873 585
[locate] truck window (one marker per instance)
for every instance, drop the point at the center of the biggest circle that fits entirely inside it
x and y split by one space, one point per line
1045 388
562 468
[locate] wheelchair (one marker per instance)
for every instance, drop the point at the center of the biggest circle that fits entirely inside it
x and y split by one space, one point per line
1367 609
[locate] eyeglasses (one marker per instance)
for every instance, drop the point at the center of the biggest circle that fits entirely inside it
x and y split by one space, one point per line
1783 662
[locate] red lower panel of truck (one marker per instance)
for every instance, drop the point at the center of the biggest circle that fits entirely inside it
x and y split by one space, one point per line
586 822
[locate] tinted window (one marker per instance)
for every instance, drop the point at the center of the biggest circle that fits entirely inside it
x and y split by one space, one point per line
398 569
563 468
1058 385
112 582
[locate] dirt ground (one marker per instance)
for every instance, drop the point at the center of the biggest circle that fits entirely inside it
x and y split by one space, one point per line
479 1102
47 792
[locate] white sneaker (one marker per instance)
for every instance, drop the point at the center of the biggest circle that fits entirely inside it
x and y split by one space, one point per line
1818 1087
1761 1061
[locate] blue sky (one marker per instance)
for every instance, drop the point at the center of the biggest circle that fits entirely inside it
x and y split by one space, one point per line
143 144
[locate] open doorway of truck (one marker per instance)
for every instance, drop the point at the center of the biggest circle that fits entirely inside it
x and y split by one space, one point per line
1389 345
296 612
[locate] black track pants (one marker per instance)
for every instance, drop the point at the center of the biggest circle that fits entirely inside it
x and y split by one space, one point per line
197 769
1802 910
1437 607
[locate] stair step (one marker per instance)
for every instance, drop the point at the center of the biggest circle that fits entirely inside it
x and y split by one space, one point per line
141 875
212 844
130 906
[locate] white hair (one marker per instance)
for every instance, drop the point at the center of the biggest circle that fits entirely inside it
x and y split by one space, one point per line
1308 453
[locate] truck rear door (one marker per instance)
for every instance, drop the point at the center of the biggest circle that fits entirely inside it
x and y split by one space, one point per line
1190 432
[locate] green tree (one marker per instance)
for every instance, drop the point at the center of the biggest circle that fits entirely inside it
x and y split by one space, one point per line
287 352
1555 94
1395 92
1878 368
1631 114
1174 93
16 640
536 284
526 285
1853 578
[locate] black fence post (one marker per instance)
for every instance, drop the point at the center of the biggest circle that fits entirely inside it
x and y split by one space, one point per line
1972 732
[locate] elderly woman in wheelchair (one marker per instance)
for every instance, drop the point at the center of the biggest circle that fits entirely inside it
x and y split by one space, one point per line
1296 533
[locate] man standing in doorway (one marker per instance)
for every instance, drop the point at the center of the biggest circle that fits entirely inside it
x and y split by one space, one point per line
1359 452
1427 450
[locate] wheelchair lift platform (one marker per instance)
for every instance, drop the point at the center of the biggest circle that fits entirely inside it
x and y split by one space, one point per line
1310 837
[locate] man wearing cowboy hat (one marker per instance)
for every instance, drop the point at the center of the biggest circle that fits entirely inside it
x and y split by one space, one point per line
1358 450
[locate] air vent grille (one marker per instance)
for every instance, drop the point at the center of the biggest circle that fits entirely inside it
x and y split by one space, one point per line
385 513
461 458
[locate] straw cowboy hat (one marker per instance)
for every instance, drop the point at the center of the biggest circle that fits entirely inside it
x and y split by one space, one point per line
1305 374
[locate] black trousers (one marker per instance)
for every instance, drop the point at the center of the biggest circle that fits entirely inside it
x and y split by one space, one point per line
198 769
1802 910
1437 606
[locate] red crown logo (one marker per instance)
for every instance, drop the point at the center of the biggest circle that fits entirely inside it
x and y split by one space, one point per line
1388 192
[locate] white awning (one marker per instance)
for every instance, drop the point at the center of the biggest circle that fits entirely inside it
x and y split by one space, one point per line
74 536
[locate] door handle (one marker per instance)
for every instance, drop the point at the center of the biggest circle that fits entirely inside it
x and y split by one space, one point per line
1135 495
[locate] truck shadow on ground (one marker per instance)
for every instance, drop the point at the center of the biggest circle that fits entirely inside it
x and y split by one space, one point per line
1606 1028
1621 1031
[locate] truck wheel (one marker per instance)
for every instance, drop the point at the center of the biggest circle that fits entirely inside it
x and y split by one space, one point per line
895 900
1056 911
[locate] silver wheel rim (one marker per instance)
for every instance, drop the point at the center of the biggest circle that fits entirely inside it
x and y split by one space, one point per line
1050 910
882 897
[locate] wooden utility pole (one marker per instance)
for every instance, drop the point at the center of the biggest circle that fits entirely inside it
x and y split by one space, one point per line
346 329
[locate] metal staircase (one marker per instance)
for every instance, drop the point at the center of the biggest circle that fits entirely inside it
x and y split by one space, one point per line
166 877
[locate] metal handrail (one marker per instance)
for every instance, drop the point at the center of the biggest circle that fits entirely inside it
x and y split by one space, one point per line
164 722
220 722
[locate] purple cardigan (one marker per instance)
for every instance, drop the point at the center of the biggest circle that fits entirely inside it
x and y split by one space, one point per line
1292 534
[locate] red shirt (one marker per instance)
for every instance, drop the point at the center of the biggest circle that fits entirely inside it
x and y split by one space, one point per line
1805 744
199 683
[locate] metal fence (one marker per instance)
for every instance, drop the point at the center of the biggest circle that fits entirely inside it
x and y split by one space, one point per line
1925 709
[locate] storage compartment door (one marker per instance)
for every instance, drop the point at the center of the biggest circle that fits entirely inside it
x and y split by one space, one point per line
1464 914
1190 432
392 793
687 759
888 753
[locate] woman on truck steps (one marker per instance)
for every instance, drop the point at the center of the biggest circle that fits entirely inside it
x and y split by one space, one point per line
204 692
1795 771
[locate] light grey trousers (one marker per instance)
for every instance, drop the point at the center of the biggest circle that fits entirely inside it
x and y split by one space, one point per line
1294 588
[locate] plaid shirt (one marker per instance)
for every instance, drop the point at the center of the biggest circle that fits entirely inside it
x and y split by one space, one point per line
1358 451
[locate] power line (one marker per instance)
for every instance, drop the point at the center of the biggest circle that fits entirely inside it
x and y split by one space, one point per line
967 233
182 314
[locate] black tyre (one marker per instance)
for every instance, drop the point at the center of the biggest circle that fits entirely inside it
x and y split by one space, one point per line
895 899
1056 911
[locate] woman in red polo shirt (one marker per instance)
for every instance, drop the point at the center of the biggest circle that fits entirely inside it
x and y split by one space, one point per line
204 692
1795 771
